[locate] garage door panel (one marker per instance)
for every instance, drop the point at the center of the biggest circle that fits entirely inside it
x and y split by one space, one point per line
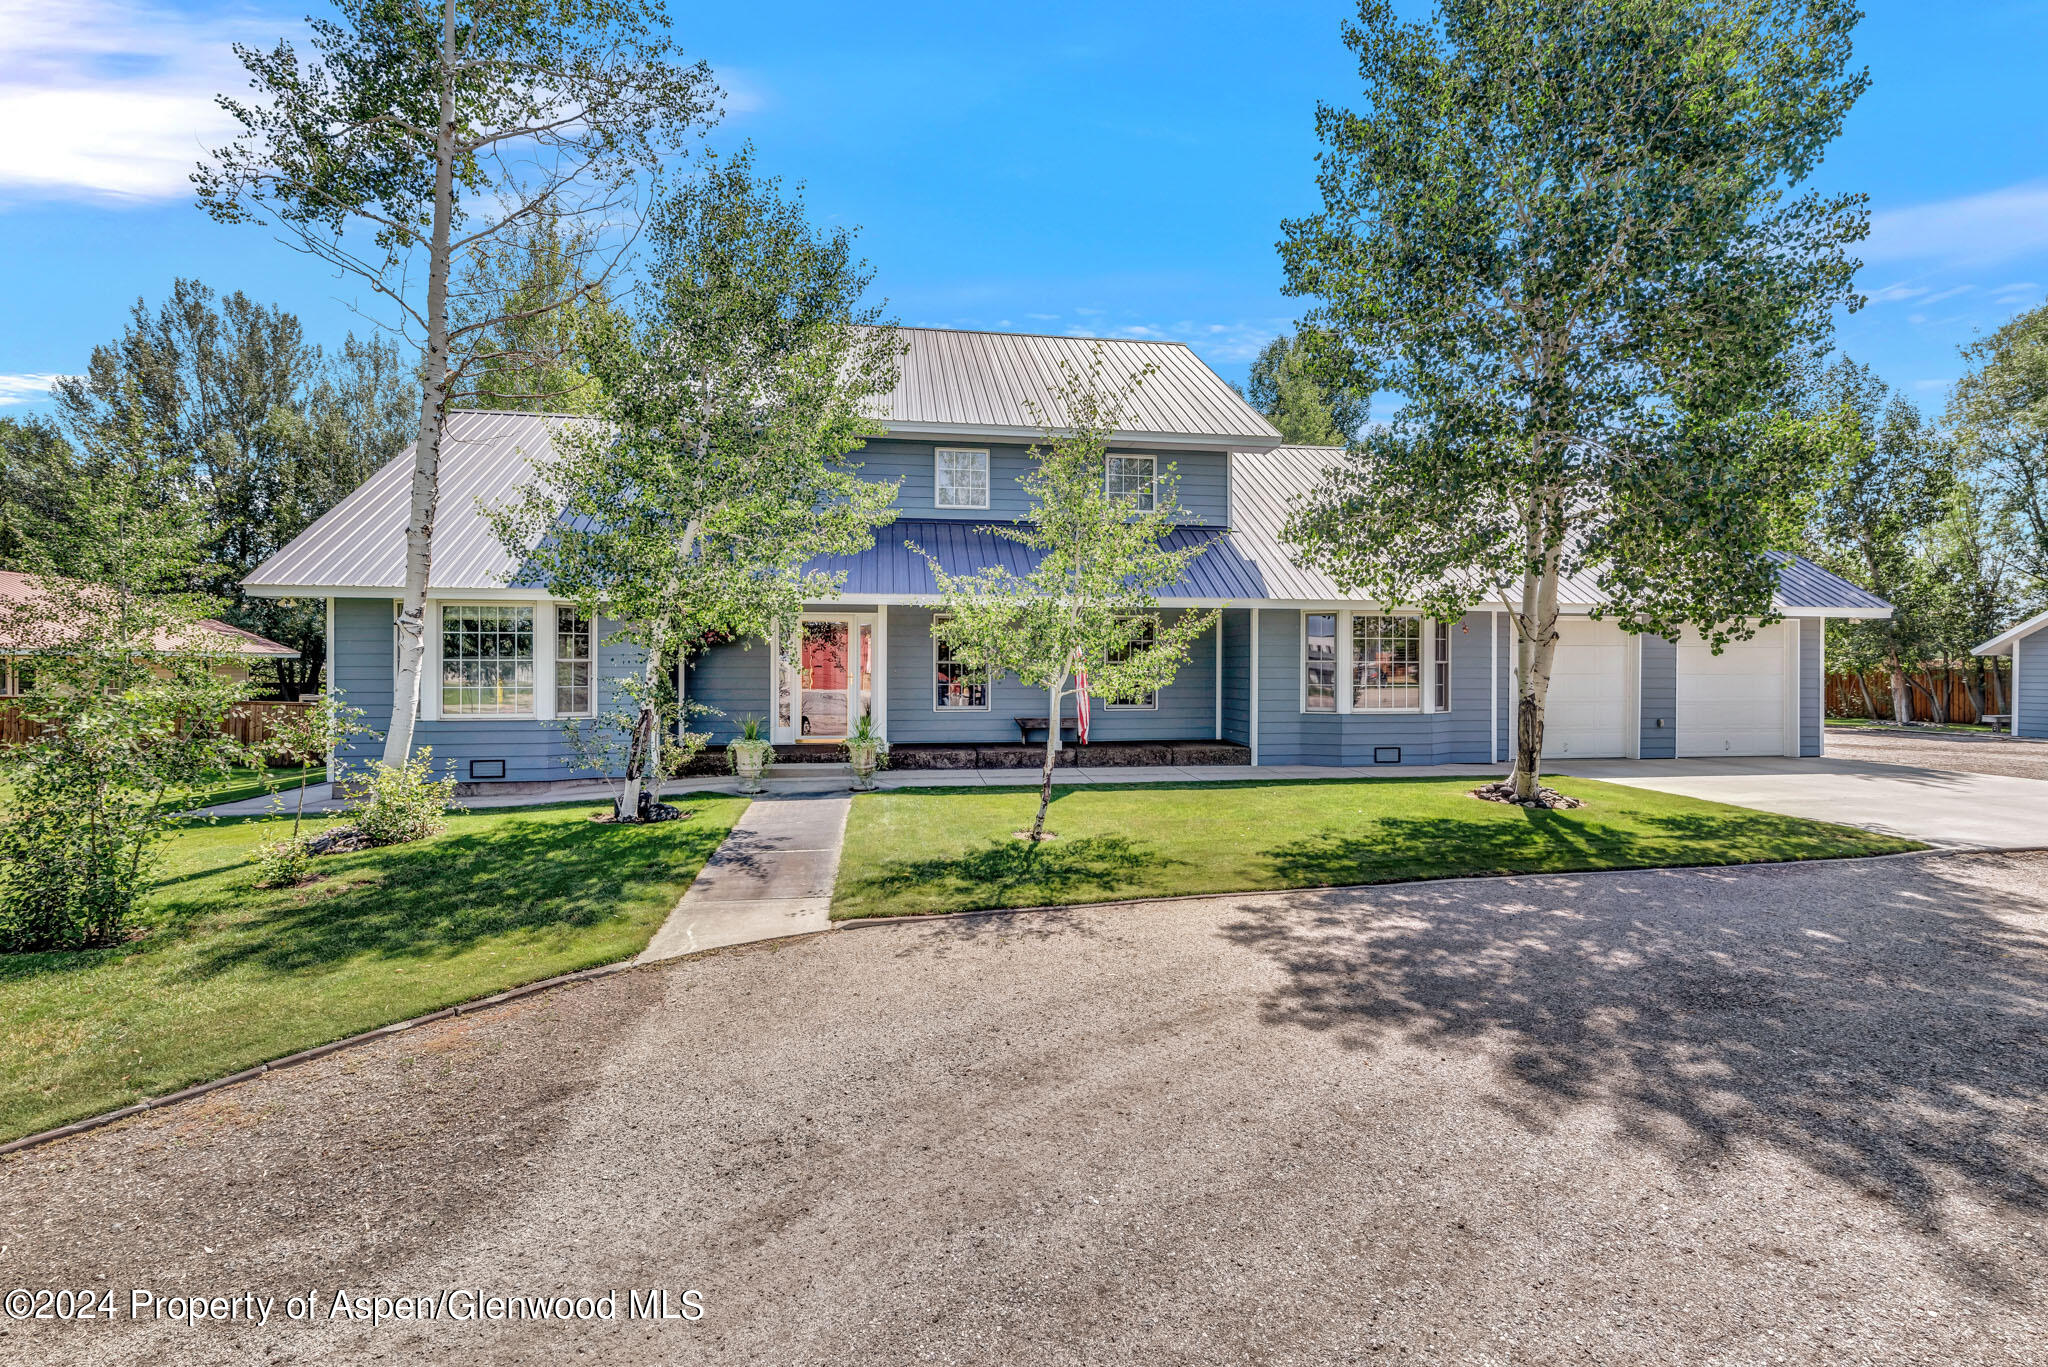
1733 703
1586 714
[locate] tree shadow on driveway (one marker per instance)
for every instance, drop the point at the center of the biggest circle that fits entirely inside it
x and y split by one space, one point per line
1880 1021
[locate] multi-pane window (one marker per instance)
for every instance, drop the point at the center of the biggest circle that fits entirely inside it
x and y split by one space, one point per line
1319 693
1386 663
573 693
957 686
1135 479
15 677
960 478
1440 669
486 660
1148 631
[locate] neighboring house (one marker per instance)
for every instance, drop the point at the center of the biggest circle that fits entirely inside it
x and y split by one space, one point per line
2027 643
239 649
1295 673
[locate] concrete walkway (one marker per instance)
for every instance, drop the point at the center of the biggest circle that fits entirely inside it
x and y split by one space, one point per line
772 877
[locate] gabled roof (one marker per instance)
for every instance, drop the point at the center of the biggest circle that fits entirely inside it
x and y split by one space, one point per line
1265 484
219 636
2003 643
359 543
985 383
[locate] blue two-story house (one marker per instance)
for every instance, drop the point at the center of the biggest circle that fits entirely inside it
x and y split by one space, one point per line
1294 673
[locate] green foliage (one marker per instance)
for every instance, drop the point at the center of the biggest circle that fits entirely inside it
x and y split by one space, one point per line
531 356
286 861
1090 603
1566 235
317 731
2000 416
400 803
1284 384
128 704
250 427
38 490
732 400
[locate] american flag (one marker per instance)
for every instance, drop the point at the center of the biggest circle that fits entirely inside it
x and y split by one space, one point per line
1081 704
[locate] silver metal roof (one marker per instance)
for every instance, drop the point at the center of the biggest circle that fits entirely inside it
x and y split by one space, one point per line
987 382
359 543
1265 484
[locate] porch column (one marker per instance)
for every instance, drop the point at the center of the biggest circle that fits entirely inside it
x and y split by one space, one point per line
880 706
1254 673
1219 676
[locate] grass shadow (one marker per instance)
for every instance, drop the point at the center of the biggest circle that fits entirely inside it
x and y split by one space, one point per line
1008 872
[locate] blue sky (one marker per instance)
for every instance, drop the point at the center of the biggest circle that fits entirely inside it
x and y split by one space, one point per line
1099 169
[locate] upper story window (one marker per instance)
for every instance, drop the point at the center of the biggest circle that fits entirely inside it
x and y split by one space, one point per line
573 691
486 660
1134 478
960 478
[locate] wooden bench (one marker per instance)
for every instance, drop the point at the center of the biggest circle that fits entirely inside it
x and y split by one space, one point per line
1026 725
2000 721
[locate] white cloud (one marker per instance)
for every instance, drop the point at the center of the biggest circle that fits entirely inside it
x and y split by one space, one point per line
1893 293
113 99
1998 225
18 389
1949 293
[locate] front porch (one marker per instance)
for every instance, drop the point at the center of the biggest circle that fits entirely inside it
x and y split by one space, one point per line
928 757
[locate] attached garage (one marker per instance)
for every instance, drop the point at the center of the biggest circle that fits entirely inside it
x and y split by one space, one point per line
1742 701
1591 711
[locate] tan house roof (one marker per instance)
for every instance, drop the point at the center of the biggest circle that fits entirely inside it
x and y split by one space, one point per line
21 588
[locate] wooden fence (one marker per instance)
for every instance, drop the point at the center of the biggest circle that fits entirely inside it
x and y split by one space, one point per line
251 723
1845 699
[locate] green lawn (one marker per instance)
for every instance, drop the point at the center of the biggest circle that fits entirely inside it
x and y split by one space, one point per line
925 850
229 975
238 784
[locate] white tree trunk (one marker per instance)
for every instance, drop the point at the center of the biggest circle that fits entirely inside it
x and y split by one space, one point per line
1052 750
426 466
1535 651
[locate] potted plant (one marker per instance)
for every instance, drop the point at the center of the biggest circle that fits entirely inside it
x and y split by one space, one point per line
866 751
750 754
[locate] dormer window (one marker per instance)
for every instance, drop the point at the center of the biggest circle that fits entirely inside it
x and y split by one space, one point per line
960 478
1134 479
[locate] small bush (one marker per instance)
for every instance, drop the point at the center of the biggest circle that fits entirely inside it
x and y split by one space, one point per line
284 863
401 802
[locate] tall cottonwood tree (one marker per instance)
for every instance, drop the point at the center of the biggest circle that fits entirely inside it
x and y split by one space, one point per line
719 461
1284 384
1565 233
424 134
1088 609
2000 416
219 404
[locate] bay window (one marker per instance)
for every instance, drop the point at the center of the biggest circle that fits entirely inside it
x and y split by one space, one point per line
1386 662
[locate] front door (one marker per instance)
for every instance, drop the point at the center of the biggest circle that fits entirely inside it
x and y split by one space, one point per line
822 673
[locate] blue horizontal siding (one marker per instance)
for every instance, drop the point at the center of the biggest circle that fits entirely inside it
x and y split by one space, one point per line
1288 735
1202 479
1657 728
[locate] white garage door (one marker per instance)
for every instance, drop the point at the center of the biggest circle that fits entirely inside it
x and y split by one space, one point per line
1588 713
1735 703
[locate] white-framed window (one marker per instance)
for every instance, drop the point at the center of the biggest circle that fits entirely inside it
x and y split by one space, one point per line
575 684
17 676
1144 702
1386 662
1134 479
1440 669
1319 662
956 688
487 661
960 477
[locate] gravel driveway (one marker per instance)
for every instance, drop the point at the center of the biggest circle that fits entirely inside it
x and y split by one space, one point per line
1791 1114
1961 751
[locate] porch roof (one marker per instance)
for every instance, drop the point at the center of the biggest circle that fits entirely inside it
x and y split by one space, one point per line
892 570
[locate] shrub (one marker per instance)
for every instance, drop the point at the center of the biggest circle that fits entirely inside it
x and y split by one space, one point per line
284 863
401 802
